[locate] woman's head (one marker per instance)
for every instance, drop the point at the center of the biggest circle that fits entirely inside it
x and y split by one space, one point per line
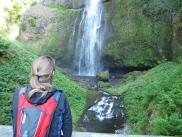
42 74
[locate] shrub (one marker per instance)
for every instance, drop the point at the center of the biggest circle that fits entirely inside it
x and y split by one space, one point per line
4 45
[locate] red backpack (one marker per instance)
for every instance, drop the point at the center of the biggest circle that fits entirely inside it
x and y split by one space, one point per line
34 121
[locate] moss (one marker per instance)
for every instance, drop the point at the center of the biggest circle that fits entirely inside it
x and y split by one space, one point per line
33 21
153 100
102 84
142 31
103 76
132 76
15 70
132 55
177 43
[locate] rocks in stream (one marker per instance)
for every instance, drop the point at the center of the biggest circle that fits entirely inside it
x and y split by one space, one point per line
102 84
103 80
105 115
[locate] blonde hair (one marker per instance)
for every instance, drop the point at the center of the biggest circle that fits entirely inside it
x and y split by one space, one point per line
42 75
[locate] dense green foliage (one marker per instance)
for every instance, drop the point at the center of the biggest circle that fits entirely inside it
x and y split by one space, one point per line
4 45
15 70
153 100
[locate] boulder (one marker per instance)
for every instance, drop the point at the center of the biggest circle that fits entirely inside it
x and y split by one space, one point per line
103 76
102 84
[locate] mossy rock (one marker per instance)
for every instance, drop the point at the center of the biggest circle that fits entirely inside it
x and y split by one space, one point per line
137 55
102 84
103 76
132 76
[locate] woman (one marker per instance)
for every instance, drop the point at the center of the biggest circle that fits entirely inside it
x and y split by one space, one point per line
39 109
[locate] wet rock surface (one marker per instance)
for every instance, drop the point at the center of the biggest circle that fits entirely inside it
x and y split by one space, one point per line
106 115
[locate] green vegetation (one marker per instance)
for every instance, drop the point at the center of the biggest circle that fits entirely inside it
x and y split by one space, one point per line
60 8
4 45
52 42
103 76
102 84
33 21
15 69
142 32
153 100
14 14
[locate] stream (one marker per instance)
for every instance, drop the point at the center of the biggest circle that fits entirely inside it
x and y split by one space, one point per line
104 113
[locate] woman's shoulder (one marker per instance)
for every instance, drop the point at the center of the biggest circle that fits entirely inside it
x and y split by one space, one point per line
62 94
63 101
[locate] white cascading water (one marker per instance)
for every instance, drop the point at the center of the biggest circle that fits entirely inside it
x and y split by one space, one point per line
105 115
104 108
89 41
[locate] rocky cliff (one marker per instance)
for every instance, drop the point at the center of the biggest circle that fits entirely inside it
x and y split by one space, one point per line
139 34
142 32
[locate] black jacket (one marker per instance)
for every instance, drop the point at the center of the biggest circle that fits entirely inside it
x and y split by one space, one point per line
62 109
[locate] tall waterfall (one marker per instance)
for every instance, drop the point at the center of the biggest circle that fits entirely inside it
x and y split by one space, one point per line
88 51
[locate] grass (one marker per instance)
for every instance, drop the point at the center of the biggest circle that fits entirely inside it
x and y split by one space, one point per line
154 100
15 68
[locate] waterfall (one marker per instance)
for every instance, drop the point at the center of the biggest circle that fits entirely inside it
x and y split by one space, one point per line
88 50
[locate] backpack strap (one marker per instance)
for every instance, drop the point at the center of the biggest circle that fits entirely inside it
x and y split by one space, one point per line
22 91
57 95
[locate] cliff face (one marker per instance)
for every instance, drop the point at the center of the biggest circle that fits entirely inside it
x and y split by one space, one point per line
72 4
177 36
139 34
47 30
